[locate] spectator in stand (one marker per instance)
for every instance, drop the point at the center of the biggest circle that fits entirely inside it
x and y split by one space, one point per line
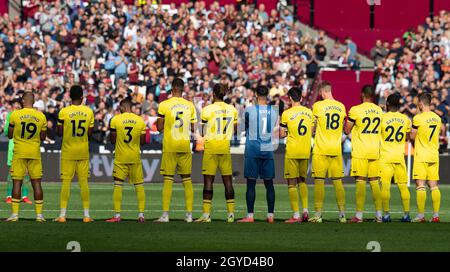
109 47
378 52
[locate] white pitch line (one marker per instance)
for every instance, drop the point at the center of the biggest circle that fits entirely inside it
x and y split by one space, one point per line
215 210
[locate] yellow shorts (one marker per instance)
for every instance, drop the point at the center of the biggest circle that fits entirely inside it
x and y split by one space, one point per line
323 165
176 162
213 161
390 170
20 167
71 167
131 170
295 168
426 171
365 168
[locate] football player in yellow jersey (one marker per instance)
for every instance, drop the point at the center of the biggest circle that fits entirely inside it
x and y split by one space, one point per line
127 134
177 118
75 124
395 128
363 123
297 125
219 122
28 128
425 134
329 117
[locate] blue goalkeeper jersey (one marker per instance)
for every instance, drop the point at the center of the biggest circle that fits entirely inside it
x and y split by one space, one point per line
260 121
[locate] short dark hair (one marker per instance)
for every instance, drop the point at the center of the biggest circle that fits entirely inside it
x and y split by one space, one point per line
368 91
324 85
262 90
295 94
28 97
126 102
393 101
425 98
76 92
178 84
220 90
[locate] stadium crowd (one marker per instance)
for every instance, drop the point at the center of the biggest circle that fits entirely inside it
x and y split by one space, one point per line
421 63
116 50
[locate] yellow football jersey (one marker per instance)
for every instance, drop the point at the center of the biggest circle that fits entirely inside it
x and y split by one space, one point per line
394 127
128 127
76 120
28 124
219 119
178 115
330 116
366 130
298 122
428 125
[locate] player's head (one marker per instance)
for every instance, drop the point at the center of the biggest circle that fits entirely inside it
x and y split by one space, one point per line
295 94
367 93
219 91
28 100
262 91
393 102
177 86
324 88
125 105
76 93
424 100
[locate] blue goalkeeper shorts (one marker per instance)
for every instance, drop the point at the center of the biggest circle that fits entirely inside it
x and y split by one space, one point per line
255 168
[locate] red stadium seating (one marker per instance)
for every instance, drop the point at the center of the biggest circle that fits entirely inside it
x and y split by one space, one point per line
3 7
346 88
352 18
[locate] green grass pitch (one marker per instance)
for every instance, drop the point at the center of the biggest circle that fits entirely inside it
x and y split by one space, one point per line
27 235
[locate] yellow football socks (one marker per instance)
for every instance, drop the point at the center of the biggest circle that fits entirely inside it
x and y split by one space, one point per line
436 199
360 195
421 199
340 194
376 194
65 193
188 194
319 194
167 192
38 206
207 206
230 205
293 197
405 196
303 188
117 196
84 190
140 195
15 203
386 195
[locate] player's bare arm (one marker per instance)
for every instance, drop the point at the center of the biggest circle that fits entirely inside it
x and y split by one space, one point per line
59 130
89 133
160 124
11 131
113 136
43 135
348 126
143 139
